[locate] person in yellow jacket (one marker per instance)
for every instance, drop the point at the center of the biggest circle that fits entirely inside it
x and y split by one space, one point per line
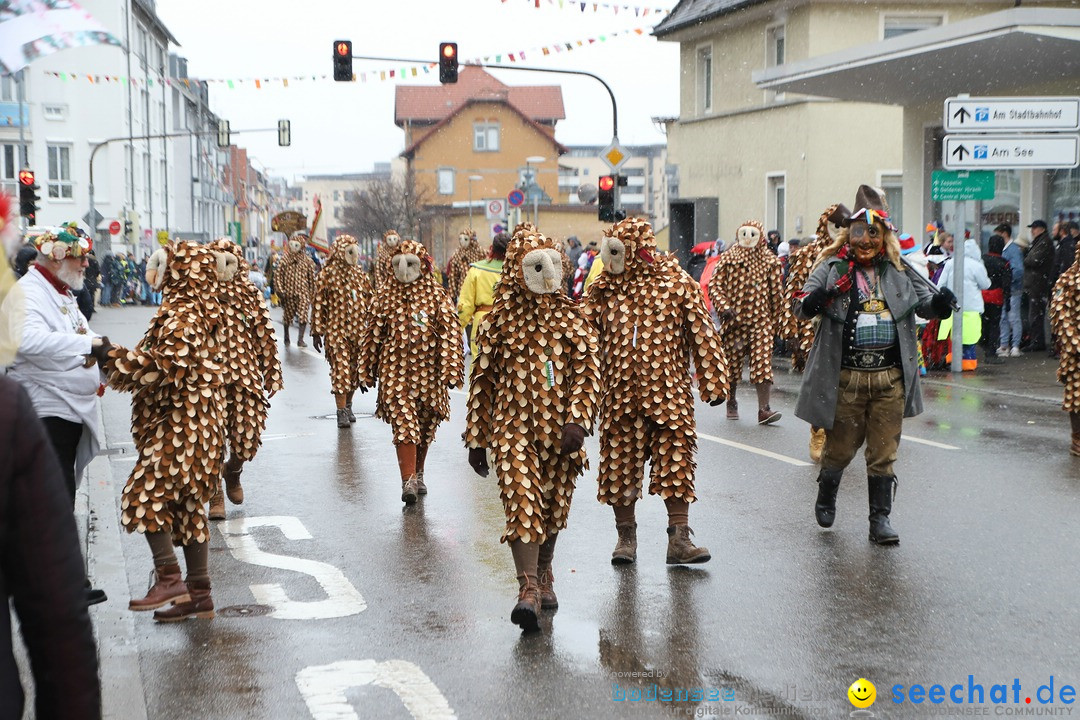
478 289
594 272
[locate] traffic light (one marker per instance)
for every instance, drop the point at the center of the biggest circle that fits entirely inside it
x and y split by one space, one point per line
605 198
28 198
224 137
284 133
448 64
343 60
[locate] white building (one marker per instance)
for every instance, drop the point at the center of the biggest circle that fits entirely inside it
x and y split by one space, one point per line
97 102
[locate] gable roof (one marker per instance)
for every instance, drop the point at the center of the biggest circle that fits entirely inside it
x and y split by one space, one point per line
433 103
691 12
545 131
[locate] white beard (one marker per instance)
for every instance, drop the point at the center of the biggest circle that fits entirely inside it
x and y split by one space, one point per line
73 279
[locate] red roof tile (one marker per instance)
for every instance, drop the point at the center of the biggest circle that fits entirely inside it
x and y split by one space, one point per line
430 104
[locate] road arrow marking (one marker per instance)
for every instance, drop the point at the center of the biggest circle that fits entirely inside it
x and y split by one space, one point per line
342 598
323 688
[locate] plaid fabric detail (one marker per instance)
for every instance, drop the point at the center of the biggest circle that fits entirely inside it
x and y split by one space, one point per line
877 334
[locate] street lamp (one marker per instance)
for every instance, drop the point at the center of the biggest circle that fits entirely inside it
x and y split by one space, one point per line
529 161
471 179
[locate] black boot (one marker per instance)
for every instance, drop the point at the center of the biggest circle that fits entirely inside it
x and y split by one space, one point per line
882 489
825 508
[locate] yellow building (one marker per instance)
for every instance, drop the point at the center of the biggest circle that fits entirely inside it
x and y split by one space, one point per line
471 142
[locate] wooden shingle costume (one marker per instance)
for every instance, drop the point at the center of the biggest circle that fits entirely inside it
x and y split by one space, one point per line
295 282
252 369
411 348
342 297
468 252
383 255
746 291
652 323
532 398
178 419
1065 322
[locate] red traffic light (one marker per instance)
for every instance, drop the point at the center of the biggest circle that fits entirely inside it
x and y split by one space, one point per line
343 49
607 182
449 50
26 177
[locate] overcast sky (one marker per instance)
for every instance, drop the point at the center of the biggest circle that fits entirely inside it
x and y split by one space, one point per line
347 127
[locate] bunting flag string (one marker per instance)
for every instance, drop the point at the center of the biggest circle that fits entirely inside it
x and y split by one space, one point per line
411 71
638 10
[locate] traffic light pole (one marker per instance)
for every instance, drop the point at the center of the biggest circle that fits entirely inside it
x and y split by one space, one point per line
159 136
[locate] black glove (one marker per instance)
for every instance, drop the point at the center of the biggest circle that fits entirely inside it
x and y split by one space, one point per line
573 437
943 302
101 352
715 403
478 461
362 388
316 342
815 302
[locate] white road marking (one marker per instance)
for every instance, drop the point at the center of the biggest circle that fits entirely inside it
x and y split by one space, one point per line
756 451
342 598
323 688
931 443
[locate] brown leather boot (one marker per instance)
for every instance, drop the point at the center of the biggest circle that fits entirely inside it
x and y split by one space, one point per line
626 550
168 587
217 506
1074 448
408 490
421 488
300 342
199 605
526 614
681 550
548 599
233 489
732 409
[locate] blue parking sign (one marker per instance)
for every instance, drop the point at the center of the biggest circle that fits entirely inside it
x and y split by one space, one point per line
981 152
982 114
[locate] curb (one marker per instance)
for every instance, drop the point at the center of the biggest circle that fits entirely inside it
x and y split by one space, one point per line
122 693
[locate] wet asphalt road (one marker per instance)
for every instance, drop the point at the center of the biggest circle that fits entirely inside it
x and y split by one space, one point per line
781 621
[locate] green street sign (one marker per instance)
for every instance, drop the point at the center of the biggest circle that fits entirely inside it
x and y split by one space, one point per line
962 185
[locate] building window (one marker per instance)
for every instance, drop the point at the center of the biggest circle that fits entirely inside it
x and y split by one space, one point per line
486 137
896 25
893 185
775 54
8 92
54 112
777 202
446 181
60 171
9 168
704 73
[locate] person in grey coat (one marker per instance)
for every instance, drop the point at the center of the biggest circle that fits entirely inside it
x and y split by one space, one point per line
862 375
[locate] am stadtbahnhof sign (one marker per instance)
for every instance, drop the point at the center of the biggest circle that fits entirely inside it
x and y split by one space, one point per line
1012 114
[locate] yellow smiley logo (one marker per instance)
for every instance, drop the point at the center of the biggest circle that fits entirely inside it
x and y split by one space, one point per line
862 693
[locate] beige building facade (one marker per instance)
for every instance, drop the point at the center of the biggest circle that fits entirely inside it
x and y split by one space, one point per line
742 151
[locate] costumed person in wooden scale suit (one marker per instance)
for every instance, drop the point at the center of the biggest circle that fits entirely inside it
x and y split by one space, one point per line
411 346
532 397
295 278
652 324
342 298
1065 323
178 420
252 370
801 332
383 254
747 293
862 376
468 252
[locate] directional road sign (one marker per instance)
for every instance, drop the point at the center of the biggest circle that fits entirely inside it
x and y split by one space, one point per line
962 185
1012 114
1003 152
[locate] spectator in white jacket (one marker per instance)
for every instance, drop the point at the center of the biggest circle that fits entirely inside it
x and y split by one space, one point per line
59 356
975 281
